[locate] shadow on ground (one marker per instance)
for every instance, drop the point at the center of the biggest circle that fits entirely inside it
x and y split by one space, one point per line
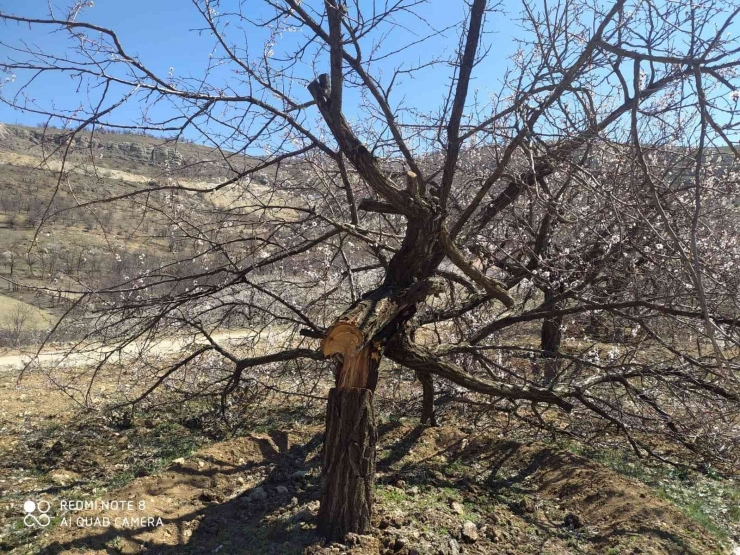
259 494
274 515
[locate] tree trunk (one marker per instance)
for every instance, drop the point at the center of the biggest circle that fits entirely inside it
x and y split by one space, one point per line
358 339
349 464
349 446
550 342
427 401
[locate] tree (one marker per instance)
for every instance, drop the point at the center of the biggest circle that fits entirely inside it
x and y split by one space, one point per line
595 180
15 322
9 257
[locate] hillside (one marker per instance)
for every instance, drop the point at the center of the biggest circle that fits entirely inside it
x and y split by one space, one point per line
75 246
448 490
136 156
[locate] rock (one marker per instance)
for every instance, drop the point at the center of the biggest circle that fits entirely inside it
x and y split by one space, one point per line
400 543
572 521
469 532
258 494
57 449
298 474
281 489
523 506
353 539
454 547
209 497
457 508
62 479
302 516
162 155
179 461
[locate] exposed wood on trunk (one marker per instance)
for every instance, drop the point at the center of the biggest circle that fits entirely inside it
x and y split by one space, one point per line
351 337
361 369
360 334
412 184
349 464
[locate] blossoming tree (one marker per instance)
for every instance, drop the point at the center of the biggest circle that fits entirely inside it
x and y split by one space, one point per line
590 188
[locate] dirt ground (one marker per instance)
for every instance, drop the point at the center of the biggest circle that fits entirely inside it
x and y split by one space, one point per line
176 486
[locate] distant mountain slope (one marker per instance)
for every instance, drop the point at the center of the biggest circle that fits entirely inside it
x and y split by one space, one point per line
76 247
143 155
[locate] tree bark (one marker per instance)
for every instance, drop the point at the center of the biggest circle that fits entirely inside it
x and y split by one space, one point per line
550 342
349 464
358 339
427 401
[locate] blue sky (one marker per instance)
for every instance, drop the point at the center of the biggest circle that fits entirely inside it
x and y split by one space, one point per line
163 34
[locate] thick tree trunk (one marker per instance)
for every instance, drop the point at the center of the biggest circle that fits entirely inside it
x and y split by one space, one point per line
349 445
358 339
550 342
427 401
349 464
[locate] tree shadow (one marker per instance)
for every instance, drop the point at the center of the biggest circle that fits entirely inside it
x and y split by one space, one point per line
270 517
400 447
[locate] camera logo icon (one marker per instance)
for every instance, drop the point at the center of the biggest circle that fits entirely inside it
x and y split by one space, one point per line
37 514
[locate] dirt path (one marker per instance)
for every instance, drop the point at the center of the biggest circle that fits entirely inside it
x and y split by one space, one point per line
93 354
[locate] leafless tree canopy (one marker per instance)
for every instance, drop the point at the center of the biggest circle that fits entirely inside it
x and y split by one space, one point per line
556 243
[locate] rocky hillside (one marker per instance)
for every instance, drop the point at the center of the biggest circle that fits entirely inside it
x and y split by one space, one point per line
140 154
79 245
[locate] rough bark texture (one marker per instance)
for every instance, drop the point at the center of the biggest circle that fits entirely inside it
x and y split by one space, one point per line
359 337
349 464
427 402
550 342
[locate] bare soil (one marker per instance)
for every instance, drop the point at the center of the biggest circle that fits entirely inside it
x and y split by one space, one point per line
439 490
